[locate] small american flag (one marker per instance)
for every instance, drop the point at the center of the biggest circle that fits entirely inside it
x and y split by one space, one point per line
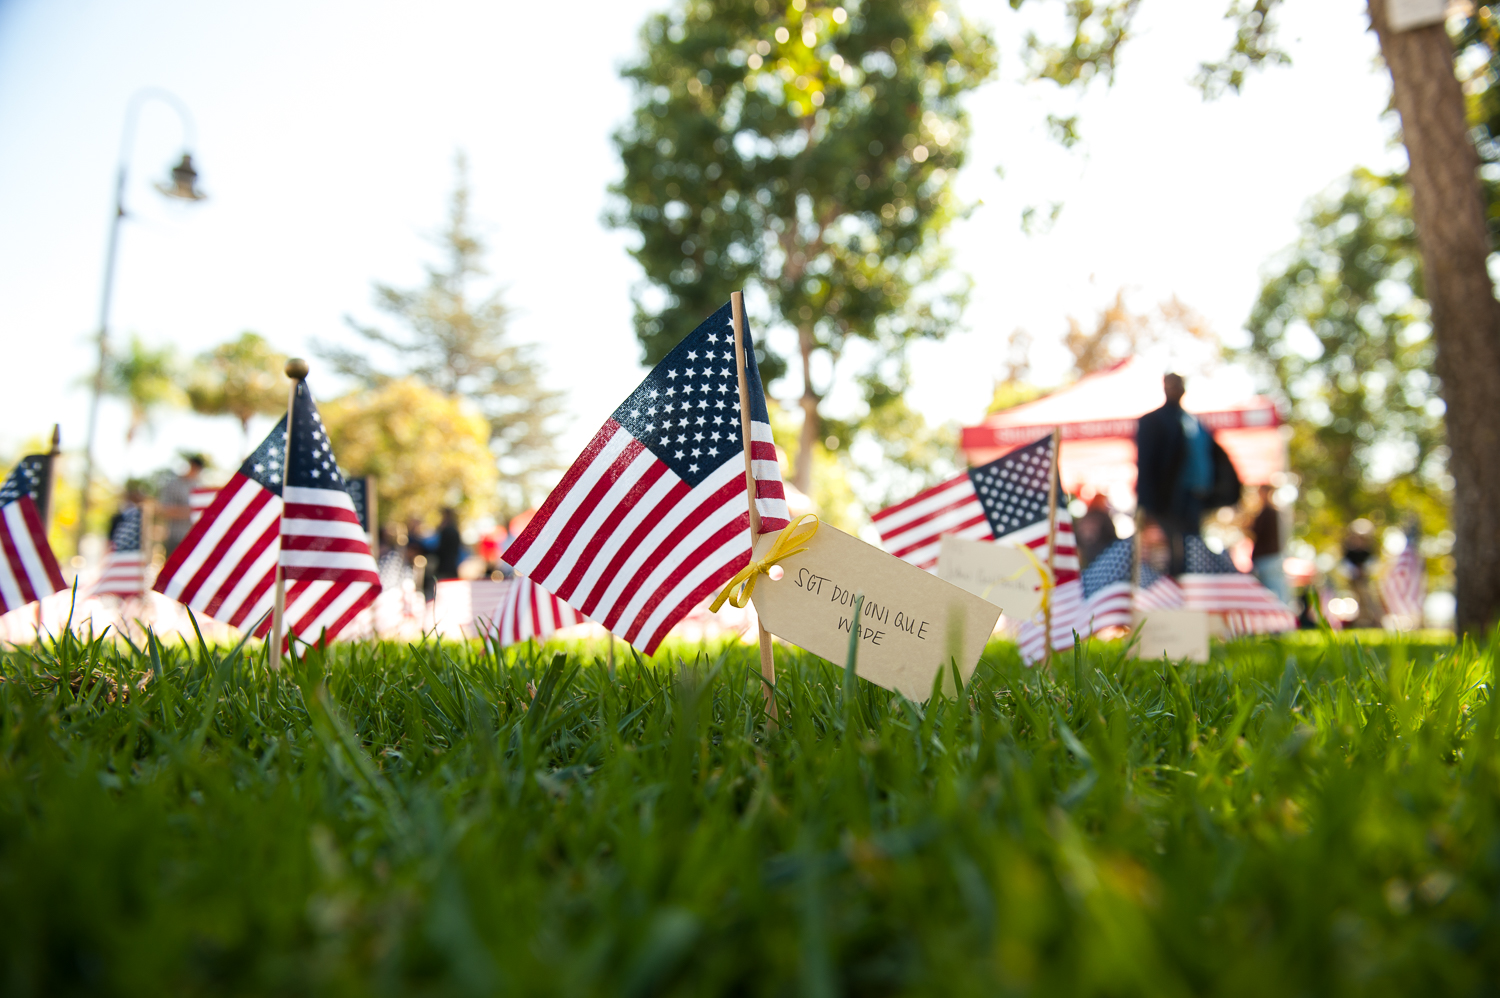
124 571
529 611
199 500
652 517
1404 584
1210 583
1004 501
28 570
225 568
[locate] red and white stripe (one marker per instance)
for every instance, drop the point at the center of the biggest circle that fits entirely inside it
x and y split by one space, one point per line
1401 589
199 500
28 570
913 530
528 611
1067 616
1109 607
625 541
325 558
1248 607
225 568
123 574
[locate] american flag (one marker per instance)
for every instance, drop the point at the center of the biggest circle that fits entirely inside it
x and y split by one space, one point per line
199 500
1402 588
124 571
1004 501
529 611
225 568
1210 583
28 570
652 517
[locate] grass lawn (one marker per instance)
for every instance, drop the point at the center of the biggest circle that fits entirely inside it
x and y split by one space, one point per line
1302 816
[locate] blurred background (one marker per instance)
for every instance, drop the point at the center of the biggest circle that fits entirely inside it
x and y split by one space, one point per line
362 168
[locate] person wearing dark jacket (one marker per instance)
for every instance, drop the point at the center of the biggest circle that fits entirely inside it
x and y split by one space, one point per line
1181 472
449 548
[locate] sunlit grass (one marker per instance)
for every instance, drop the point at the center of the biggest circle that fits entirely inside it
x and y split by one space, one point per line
1302 815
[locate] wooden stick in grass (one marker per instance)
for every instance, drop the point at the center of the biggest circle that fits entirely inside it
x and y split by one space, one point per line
767 663
296 369
1052 486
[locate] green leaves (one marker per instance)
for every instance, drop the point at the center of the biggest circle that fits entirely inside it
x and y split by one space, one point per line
804 148
1342 333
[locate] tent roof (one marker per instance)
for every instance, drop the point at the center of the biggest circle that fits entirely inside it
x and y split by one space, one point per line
1108 403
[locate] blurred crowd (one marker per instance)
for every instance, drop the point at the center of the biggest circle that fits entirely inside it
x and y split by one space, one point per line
1186 486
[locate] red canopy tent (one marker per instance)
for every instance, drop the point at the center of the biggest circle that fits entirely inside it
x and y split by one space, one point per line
1098 415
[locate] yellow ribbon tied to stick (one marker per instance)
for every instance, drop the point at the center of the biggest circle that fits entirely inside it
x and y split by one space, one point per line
1047 581
799 531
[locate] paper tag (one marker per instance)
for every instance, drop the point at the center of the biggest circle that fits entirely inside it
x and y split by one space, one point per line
999 573
911 626
1175 633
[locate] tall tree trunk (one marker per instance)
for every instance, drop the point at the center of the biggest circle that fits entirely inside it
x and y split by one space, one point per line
812 426
1448 204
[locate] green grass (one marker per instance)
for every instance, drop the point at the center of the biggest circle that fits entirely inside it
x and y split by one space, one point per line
1300 817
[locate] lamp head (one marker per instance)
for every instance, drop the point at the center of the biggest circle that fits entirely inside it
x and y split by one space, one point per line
184 186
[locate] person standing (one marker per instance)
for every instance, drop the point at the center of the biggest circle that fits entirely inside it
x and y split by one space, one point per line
1181 472
1266 554
449 548
176 500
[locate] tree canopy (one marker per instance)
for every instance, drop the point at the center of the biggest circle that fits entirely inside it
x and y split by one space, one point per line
243 378
145 379
805 149
1342 334
426 449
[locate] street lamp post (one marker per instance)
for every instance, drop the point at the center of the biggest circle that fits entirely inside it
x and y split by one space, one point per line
183 187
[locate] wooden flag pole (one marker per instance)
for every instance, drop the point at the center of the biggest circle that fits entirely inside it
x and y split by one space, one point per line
1136 544
296 369
45 506
1052 487
767 663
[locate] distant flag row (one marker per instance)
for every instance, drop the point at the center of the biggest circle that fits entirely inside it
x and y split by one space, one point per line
1005 501
647 523
1211 583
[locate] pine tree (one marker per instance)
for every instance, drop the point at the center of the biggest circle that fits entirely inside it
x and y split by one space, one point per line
457 343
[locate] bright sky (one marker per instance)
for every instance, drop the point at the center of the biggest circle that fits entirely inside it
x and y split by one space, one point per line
325 139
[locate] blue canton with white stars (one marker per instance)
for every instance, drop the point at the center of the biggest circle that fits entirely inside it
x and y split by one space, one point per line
263 466
313 466
1114 565
312 463
1201 561
1013 489
26 479
687 411
127 532
356 489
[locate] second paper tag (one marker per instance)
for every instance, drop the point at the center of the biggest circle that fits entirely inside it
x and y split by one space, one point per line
911 626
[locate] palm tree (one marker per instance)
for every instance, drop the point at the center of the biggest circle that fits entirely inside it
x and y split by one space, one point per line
145 379
242 378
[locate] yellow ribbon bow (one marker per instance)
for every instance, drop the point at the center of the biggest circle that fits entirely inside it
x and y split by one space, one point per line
796 532
1047 581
